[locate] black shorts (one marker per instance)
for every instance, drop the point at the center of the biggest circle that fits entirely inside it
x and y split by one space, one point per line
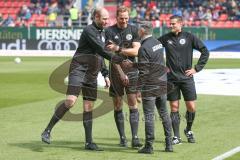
78 82
117 88
187 87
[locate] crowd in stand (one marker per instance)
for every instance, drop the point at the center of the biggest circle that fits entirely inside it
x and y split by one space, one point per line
191 10
54 13
51 13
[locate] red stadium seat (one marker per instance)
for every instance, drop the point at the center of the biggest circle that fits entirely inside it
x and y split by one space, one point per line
168 17
165 17
34 16
41 17
162 17
213 23
204 23
228 24
16 4
11 10
188 23
197 23
14 16
4 11
112 10
223 17
40 24
5 16
236 24
16 10
219 24
8 4
2 4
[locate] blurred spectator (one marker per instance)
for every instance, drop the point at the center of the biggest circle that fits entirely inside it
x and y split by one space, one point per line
84 16
186 17
1 19
38 8
201 13
8 22
155 13
152 4
52 14
74 16
238 14
66 15
25 13
45 8
193 11
193 16
233 10
133 14
215 15
177 11
19 22
127 3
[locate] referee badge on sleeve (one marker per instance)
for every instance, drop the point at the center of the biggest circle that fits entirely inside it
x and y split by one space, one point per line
182 41
128 36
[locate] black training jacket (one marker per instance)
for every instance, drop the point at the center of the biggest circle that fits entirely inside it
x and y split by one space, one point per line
152 73
179 54
123 37
91 46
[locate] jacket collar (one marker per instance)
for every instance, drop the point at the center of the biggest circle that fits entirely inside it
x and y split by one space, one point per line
95 25
145 38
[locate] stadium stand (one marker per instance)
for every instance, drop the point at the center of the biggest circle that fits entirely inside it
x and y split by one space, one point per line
54 13
211 13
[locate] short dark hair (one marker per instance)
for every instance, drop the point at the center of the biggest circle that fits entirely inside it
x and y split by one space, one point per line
179 18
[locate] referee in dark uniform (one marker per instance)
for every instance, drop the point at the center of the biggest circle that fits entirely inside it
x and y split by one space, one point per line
153 86
84 68
179 46
123 39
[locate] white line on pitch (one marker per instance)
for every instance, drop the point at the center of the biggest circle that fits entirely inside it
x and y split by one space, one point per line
227 154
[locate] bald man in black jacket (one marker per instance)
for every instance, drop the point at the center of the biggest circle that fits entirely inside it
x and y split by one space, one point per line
84 68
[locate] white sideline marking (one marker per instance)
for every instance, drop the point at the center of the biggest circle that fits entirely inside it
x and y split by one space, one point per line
70 53
218 82
211 82
227 154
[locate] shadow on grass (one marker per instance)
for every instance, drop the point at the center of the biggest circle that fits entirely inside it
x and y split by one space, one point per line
38 146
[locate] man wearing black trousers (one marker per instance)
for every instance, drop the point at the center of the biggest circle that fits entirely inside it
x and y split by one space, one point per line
153 86
83 72
179 47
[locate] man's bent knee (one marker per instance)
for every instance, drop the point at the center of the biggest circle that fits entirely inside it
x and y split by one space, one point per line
174 106
117 102
190 106
88 105
132 101
70 101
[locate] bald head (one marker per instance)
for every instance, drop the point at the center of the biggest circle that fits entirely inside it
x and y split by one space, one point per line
100 17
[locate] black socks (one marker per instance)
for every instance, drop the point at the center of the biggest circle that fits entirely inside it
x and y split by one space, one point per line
87 123
175 117
58 114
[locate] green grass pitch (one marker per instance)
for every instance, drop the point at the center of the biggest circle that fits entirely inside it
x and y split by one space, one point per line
27 103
